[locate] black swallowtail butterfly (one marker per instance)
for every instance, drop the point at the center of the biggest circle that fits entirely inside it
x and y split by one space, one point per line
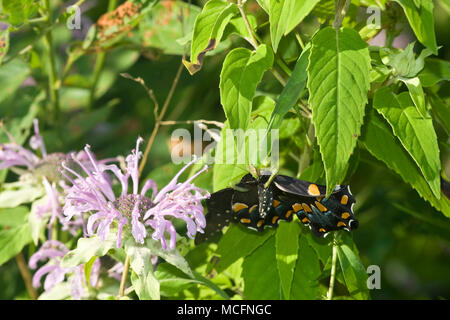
255 206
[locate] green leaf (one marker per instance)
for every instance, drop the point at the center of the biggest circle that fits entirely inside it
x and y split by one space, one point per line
229 164
172 281
285 15
421 21
88 269
417 95
338 82
60 291
442 110
4 43
13 217
17 193
12 75
86 249
286 241
355 274
19 11
171 256
403 61
13 240
238 243
435 70
162 26
265 4
416 134
259 270
291 92
208 30
378 139
145 284
307 271
241 72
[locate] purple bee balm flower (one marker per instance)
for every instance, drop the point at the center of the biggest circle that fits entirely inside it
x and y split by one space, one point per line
93 192
45 170
54 251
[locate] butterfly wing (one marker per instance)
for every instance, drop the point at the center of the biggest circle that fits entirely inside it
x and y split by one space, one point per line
218 216
321 214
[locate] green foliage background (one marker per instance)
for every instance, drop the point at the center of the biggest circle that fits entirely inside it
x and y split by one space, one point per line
406 234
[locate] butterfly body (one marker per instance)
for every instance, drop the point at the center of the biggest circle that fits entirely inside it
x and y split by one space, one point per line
256 206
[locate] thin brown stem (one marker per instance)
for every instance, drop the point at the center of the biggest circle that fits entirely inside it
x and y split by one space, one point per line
159 118
26 275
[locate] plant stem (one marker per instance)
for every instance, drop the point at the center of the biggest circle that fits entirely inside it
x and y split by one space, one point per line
159 118
123 281
26 275
340 9
52 78
247 24
333 270
99 63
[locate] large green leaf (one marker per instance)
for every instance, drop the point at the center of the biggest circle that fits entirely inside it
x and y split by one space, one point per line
12 75
13 217
285 15
442 110
355 274
416 134
237 243
241 73
231 161
19 11
404 62
307 272
338 81
162 26
291 92
171 256
13 240
208 30
417 95
421 21
378 139
144 281
286 241
261 281
173 281
17 193
86 249
435 70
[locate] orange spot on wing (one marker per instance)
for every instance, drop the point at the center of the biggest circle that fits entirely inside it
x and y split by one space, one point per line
306 220
344 200
321 207
313 190
288 214
274 219
341 224
322 230
345 215
297 207
275 203
239 206
306 207
246 221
